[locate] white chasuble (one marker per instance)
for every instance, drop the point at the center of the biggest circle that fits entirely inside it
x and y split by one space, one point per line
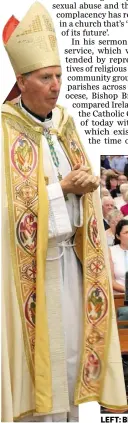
64 292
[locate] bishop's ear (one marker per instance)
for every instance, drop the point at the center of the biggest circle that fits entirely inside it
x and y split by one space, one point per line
21 81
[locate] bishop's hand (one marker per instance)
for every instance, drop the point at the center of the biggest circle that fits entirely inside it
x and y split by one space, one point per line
79 182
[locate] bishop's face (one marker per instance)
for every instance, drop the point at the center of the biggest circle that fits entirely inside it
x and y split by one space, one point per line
40 89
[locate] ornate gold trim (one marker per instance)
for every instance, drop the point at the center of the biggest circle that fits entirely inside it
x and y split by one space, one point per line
82 392
16 123
41 373
13 245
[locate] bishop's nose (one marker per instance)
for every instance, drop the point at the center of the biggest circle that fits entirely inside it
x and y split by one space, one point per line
55 84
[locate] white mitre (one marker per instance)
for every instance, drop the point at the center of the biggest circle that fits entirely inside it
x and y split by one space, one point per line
33 43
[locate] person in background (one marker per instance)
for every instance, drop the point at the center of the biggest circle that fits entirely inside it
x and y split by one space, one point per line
122 179
114 216
124 209
119 256
104 174
118 164
105 162
120 200
104 192
110 158
111 182
107 206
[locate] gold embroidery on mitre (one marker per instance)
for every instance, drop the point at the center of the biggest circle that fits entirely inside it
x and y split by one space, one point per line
33 43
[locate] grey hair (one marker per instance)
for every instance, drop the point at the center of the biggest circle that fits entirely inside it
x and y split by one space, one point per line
107 197
123 188
104 192
113 214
